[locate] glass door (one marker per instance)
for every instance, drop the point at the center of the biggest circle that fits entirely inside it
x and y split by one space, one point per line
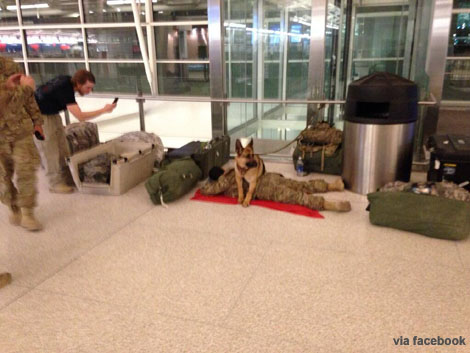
267 45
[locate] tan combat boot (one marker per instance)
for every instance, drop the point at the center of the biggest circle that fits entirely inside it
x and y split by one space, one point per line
5 279
28 221
61 188
15 216
337 185
340 206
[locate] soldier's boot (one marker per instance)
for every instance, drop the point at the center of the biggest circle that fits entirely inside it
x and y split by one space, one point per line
61 188
15 216
28 221
339 206
337 185
5 279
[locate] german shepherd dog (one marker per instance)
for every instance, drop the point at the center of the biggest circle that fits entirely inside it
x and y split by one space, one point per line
249 167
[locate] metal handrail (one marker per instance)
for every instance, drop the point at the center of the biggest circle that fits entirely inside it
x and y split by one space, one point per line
234 100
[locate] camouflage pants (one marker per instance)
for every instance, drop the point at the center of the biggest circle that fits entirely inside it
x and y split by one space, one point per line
54 150
273 187
20 157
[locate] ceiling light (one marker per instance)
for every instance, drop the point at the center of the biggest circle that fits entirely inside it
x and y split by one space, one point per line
26 7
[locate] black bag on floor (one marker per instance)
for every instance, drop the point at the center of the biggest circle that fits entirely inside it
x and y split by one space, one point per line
450 158
207 155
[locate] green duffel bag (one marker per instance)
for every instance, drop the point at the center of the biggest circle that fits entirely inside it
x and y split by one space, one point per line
332 164
173 181
434 216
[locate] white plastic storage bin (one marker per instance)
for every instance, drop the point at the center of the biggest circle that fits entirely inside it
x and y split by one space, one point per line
134 165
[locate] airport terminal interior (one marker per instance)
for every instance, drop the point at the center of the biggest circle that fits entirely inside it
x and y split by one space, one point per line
121 274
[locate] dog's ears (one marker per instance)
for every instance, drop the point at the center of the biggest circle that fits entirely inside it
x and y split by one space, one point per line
250 144
238 147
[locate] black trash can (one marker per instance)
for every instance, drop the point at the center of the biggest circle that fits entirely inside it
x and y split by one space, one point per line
380 116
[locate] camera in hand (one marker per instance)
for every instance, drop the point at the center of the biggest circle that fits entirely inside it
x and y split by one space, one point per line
115 100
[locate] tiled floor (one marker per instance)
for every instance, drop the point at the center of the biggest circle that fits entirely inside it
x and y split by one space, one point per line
118 274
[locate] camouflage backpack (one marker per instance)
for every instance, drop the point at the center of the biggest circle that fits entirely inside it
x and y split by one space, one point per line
81 136
320 148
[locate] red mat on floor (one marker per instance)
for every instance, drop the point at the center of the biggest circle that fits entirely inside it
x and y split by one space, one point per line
296 209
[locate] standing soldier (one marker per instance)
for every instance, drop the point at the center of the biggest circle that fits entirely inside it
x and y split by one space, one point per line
19 118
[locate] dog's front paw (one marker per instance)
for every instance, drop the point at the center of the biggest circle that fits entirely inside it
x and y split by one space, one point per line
246 203
240 199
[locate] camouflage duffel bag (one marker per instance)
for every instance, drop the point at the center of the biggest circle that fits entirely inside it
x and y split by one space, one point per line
173 181
81 136
433 216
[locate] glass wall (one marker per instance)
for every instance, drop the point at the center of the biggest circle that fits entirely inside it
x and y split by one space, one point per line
268 53
267 46
8 15
10 43
102 37
379 40
54 43
457 73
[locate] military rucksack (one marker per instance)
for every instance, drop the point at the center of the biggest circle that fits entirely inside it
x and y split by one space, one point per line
320 149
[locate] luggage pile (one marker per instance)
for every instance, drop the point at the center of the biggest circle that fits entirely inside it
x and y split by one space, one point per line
214 153
113 167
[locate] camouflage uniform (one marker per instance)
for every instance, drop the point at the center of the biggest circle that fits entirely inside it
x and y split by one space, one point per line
18 110
444 189
273 187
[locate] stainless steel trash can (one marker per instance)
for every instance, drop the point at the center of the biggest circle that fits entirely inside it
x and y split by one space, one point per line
380 117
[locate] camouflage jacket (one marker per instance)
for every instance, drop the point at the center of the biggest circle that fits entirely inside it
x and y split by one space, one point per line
442 189
19 112
18 107
225 184
7 68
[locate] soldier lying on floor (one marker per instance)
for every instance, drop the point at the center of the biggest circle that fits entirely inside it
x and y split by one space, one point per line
274 187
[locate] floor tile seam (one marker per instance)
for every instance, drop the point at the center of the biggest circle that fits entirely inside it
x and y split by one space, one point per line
3 307
237 299
130 307
226 327
459 254
370 256
75 259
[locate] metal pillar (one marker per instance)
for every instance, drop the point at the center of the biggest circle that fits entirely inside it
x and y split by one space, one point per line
216 65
